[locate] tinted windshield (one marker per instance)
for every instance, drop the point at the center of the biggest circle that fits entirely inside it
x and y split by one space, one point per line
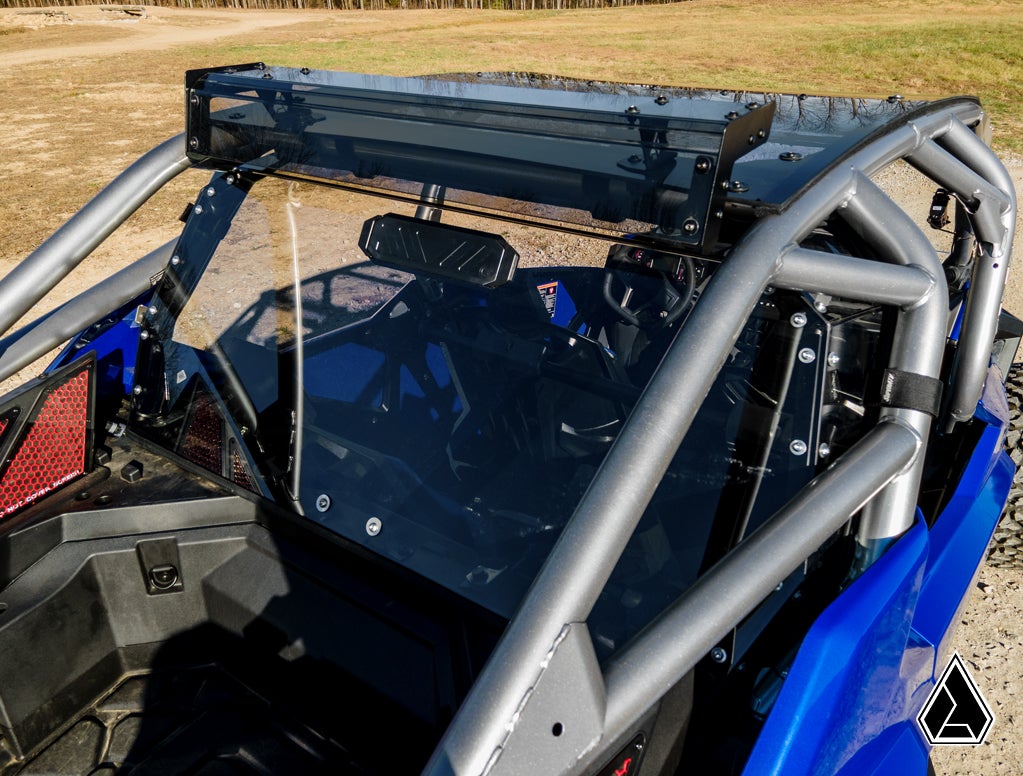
449 427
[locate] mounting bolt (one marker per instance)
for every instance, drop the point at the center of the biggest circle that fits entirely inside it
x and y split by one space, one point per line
197 210
797 447
719 655
820 307
824 450
373 526
305 71
690 226
632 110
137 390
790 156
798 320
702 164
194 99
211 192
732 115
193 143
661 99
175 260
268 75
143 335
739 186
807 356
834 359
322 502
753 105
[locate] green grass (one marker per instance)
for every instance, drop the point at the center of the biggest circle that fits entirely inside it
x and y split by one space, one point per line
909 47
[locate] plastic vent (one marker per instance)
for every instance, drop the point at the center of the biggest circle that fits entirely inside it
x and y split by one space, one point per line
203 442
53 448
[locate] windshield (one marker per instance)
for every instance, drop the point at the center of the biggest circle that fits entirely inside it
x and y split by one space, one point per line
451 427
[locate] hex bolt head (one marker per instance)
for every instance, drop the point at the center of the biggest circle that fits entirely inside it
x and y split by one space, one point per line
798 320
373 526
322 502
719 655
797 447
834 359
807 355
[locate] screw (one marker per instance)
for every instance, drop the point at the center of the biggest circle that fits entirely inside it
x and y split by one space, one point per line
820 307
690 226
268 75
797 447
373 526
753 105
895 98
807 356
197 210
211 192
732 115
194 99
143 335
824 450
661 100
834 359
739 186
761 133
231 179
322 502
175 260
152 310
790 156
635 159
718 655
305 71
137 390
798 320
632 110
703 164
193 142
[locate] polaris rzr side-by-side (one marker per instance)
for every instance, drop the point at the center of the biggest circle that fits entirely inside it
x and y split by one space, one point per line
506 424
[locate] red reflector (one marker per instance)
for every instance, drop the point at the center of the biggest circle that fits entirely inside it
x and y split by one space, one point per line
52 452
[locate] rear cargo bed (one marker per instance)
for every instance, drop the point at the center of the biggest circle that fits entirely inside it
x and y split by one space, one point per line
245 662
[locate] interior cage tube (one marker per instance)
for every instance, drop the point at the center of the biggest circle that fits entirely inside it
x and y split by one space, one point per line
65 249
680 637
38 338
864 280
917 348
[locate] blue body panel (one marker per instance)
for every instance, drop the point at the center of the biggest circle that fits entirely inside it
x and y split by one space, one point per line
868 663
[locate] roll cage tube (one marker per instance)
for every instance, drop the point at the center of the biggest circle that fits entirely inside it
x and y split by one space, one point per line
502 712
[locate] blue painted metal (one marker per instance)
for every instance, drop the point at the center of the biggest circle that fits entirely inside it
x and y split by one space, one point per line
868 663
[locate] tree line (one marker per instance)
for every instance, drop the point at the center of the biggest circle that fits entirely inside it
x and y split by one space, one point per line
344 5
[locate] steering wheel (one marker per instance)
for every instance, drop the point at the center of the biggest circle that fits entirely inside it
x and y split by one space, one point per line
666 303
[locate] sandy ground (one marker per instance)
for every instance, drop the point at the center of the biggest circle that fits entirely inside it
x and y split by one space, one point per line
990 637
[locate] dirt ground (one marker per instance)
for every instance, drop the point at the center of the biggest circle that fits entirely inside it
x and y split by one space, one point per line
89 90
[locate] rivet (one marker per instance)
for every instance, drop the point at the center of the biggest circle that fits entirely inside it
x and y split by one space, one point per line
373 526
632 110
661 100
797 447
702 164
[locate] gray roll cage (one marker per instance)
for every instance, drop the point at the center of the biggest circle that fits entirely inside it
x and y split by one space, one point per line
544 670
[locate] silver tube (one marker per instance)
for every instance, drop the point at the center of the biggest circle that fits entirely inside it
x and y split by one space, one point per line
851 278
918 348
665 651
584 556
986 203
51 330
983 305
30 281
